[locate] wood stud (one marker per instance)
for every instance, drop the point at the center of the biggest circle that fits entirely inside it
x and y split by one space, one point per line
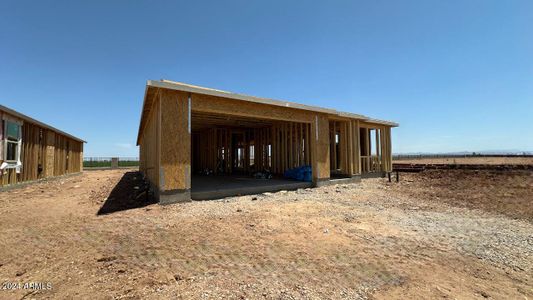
279 147
353 153
66 155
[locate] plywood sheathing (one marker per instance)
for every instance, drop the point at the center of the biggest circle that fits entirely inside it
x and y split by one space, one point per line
44 153
175 140
386 149
218 105
149 146
320 148
296 136
153 86
32 150
50 143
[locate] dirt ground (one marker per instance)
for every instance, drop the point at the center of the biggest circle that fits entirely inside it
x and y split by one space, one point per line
470 161
436 234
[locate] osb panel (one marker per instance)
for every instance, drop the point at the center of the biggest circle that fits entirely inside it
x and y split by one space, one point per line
9 177
50 141
81 157
386 149
55 153
60 155
30 153
320 146
175 160
75 159
212 104
149 146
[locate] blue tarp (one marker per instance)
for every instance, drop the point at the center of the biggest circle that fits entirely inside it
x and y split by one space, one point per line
303 173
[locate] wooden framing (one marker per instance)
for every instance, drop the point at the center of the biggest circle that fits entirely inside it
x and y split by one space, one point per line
186 129
381 159
44 152
276 148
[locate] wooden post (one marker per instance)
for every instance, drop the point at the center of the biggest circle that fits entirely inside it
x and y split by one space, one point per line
369 150
378 159
357 148
347 148
81 156
291 144
335 166
350 148
308 145
300 148
320 149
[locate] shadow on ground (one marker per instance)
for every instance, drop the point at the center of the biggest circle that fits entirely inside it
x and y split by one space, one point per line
129 193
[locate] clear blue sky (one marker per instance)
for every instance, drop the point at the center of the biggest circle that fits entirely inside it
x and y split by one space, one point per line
456 75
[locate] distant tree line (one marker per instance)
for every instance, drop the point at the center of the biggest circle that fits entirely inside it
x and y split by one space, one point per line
105 162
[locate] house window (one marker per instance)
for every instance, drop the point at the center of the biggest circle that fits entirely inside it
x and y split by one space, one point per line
12 141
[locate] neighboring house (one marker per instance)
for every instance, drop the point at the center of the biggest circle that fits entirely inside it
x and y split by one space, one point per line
32 150
186 130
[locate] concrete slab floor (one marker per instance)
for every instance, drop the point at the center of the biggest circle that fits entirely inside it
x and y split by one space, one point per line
216 187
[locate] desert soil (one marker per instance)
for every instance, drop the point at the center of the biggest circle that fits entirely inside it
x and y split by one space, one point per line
436 234
470 161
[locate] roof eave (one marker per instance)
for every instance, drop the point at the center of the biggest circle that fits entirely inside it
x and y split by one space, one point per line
36 122
173 85
224 94
382 122
142 112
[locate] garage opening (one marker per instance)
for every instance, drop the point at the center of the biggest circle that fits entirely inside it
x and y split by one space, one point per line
234 155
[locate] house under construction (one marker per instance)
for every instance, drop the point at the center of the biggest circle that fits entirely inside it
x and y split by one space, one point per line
188 132
31 150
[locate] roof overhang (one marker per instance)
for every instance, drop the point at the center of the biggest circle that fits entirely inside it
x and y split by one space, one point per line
39 123
153 85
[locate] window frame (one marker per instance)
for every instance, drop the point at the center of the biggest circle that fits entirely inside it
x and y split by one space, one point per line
10 140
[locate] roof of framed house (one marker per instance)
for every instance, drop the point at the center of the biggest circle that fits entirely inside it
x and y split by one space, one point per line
28 119
184 87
